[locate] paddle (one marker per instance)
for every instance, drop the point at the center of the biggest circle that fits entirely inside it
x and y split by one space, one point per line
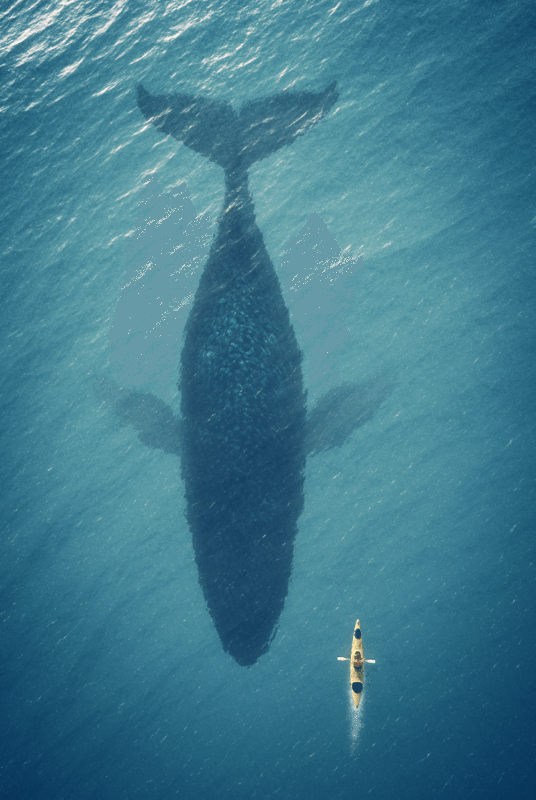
367 660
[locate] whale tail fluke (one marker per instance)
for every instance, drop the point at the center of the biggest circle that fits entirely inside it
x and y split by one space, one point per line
214 130
207 126
274 122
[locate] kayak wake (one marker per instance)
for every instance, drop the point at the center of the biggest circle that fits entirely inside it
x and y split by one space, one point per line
355 719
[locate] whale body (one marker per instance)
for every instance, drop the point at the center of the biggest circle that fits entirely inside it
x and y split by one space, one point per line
243 405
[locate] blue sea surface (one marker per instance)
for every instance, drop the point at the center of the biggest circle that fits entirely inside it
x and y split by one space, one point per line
421 181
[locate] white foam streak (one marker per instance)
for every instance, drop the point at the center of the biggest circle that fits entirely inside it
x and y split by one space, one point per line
355 720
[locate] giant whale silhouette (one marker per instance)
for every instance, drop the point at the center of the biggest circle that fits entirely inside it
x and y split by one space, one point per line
242 398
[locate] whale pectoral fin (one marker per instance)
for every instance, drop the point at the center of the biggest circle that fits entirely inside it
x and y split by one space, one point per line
207 126
151 418
343 409
274 122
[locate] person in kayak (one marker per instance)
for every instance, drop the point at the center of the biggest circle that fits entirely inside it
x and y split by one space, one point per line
358 660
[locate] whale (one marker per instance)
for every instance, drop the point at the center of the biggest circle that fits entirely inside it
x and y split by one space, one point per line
243 403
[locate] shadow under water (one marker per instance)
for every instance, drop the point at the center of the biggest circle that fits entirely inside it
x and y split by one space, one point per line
243 434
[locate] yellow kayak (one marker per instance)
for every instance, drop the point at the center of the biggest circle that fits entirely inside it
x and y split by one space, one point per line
357 658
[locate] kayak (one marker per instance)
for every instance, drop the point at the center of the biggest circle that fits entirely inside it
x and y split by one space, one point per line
356 675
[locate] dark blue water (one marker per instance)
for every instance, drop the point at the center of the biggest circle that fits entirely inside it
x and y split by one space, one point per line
114 683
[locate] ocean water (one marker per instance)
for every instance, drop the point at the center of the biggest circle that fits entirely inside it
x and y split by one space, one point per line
421 522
